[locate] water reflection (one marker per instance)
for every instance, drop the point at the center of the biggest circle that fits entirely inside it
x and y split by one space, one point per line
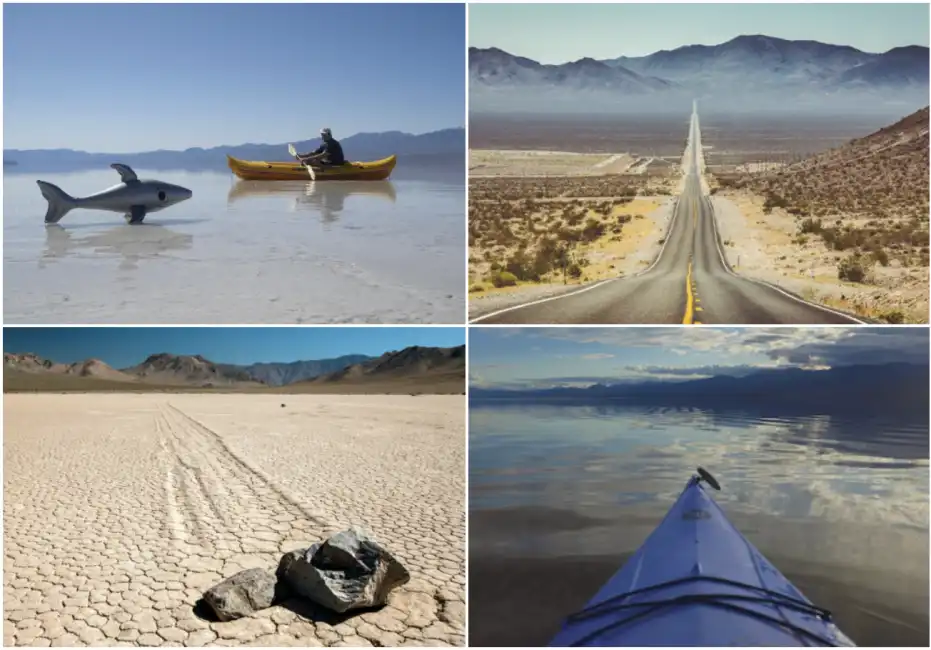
592 458
893 435
560 496
328 198
131 243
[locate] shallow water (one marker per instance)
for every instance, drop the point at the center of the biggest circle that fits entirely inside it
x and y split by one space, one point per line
840 505
240 252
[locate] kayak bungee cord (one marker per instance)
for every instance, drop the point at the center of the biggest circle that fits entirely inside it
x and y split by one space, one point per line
715 600
696 581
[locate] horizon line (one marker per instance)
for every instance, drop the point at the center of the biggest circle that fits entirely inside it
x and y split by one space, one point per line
232 146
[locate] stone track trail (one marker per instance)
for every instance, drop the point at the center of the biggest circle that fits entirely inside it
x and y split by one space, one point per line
120 510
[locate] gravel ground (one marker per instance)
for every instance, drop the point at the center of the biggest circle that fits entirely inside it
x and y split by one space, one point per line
120 510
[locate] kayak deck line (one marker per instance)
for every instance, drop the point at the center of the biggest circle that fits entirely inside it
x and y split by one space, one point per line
697 581
768 596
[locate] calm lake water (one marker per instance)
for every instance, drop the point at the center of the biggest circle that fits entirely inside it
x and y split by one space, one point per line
560 496
240 252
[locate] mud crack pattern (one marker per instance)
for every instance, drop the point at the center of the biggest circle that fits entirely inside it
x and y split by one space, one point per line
119 510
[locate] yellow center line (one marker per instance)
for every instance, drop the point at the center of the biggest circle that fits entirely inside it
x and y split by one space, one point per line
689 298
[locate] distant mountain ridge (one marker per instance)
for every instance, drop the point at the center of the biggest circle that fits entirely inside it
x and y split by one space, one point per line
879 387
281 374
425 149
746 71
195 370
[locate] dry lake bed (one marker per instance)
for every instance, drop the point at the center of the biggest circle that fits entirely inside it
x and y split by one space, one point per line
121 509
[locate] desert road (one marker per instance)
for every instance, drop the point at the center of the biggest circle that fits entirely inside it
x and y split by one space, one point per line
689 282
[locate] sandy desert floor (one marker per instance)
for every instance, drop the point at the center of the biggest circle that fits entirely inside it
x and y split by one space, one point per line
609 257
121 509
492 163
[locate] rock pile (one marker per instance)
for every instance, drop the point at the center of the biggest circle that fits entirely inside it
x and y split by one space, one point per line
350 570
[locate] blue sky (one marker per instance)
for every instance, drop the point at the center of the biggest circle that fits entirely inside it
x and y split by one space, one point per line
545 357
556 33
125 346
132 77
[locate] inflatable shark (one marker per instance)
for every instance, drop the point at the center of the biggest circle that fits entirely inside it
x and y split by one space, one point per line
133 198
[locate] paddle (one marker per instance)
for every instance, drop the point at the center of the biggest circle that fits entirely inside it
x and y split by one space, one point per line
310 170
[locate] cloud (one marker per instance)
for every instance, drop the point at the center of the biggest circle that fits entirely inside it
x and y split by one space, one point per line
862 347
791 345
741 351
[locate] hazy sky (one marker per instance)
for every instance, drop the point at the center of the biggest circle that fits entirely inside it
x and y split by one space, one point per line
556 33
133 77
126 346
542 357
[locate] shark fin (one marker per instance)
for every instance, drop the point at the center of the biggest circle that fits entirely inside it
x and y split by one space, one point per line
59 202
135 215
126 173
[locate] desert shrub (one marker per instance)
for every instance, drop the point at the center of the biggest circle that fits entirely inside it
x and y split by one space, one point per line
503 279
809 226
851 269
476 288
881 256
593 230
521 266
774 201
548 257
574 270
894 317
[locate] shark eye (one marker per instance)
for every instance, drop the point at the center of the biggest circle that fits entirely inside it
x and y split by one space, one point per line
161 195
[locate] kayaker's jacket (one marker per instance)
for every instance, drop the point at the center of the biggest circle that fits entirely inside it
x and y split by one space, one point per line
333 151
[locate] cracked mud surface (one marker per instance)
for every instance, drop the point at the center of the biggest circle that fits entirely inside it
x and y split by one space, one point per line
120 510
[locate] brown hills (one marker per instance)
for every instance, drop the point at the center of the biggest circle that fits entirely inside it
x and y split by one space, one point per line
413 369
868 196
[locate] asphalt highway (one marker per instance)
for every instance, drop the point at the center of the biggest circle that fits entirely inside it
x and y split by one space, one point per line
690 281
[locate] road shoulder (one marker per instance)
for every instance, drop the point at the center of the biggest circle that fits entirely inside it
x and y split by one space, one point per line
766 246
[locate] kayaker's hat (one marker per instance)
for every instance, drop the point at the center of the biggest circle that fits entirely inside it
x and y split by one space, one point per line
325 133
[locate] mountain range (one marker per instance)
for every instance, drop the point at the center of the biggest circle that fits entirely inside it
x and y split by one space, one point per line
748 72
443 368
874 387
446 147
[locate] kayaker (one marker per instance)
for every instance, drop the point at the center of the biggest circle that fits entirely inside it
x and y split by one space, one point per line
329 153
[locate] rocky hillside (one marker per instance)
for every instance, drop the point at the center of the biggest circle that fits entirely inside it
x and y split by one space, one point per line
413 362
28 362
869 195
34 364
164 368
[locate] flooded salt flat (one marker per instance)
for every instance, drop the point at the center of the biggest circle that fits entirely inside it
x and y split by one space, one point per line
561 496
240 252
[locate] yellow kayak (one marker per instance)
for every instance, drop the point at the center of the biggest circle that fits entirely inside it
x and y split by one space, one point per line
251 170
